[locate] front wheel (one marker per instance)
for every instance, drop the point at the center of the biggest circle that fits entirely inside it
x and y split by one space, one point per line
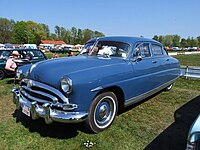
102 112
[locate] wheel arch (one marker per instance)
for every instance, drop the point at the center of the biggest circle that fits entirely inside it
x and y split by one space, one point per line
119 94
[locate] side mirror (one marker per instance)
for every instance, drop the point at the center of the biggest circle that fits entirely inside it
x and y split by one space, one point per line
139 58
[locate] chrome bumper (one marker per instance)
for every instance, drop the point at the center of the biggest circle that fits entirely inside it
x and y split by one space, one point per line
46 111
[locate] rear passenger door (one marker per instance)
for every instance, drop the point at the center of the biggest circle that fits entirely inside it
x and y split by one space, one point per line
163 61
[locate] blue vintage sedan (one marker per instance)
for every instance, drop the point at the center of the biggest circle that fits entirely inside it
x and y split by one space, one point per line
109 74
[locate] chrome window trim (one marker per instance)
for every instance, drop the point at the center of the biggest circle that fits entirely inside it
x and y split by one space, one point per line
139 44
157 55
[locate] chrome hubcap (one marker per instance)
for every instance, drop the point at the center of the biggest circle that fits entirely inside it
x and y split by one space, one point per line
103 111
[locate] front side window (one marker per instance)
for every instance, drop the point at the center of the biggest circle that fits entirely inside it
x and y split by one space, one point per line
107 48
157 50
142 50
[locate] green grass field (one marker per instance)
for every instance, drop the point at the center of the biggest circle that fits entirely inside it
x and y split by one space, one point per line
160 122
189 60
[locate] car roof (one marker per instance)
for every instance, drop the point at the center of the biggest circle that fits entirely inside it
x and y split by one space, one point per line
124 39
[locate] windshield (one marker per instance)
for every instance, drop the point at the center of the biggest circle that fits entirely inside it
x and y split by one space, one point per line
106 48
4 54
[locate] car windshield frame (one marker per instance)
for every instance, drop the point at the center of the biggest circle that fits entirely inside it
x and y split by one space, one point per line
106 48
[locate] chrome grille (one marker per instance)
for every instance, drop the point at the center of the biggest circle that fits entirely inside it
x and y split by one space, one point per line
42 93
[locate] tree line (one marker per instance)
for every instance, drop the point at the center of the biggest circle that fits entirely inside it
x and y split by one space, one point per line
21 32
177 41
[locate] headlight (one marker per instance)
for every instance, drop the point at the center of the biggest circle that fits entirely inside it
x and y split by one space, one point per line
66 85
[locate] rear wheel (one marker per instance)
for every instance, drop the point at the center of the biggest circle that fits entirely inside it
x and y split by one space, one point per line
102 112
2 74
169 87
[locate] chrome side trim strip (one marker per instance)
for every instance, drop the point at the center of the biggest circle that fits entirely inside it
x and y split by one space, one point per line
147 94
97 89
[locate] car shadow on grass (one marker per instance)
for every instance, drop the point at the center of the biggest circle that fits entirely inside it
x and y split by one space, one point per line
13 81
53 130
131 106
175 136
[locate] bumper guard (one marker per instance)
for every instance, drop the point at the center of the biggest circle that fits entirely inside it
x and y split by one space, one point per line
46 111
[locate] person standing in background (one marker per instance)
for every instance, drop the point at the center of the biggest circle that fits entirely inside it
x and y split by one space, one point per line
10 63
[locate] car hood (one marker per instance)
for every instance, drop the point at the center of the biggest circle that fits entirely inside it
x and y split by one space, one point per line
25 68
52 71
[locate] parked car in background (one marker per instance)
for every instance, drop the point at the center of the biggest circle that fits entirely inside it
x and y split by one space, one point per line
62 50
109 74
2 47
30 46
192 48
8 46
27 56
176 48
193 140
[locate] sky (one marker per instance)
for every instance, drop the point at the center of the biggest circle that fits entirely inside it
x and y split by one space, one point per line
111 17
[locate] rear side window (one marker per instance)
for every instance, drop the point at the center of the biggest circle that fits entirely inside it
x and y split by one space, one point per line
157 50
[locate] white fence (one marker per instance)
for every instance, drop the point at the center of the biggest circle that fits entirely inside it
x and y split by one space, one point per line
190 72
183 53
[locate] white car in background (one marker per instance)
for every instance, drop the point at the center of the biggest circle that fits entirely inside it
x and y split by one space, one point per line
2 47
193 140
30 46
